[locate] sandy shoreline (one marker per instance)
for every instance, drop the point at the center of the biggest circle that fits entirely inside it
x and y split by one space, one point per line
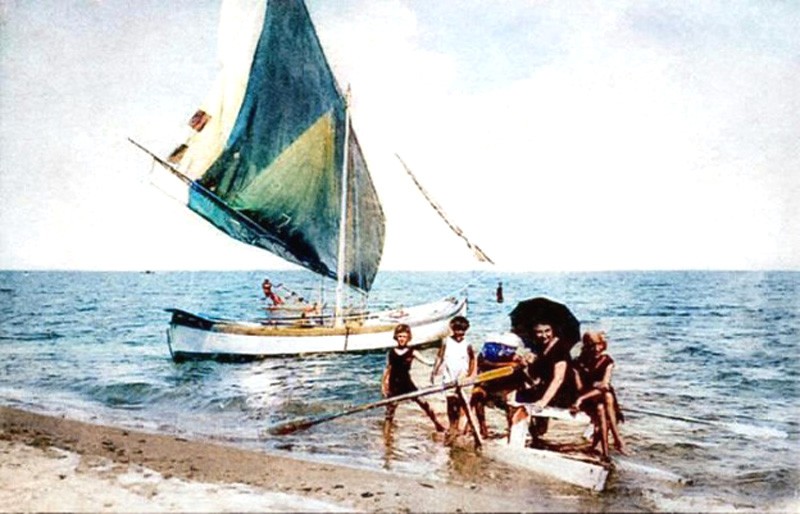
55 464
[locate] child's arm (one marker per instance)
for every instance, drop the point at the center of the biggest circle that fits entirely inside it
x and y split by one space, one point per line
605 384
437 363
385 379
598 388
582 398
473 362
422 359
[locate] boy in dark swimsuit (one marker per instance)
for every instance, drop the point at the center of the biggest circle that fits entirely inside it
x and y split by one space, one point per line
397 376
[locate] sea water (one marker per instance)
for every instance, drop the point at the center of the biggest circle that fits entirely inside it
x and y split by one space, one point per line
713 346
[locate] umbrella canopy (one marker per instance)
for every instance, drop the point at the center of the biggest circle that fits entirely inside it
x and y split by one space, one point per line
533 311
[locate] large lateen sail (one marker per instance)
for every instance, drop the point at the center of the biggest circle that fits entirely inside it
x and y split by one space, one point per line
264 162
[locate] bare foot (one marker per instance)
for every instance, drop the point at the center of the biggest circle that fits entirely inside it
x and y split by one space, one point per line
622 449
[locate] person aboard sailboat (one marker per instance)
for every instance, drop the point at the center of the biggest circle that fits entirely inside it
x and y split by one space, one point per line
269 294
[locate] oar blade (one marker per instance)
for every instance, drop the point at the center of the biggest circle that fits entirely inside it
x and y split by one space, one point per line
289 427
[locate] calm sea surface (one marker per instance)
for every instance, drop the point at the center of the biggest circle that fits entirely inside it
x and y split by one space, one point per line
719 346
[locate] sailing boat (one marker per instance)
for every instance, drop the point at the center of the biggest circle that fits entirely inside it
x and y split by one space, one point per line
272 161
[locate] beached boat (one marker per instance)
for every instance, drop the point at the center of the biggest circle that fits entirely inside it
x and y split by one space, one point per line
272 161
565 463
573 468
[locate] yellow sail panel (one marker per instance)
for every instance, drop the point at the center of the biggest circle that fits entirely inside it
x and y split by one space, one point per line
298 193
311 157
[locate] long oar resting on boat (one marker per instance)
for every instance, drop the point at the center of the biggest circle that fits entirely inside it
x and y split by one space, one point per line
291 426
735 427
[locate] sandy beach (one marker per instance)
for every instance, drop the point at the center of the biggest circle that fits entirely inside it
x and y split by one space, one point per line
53 464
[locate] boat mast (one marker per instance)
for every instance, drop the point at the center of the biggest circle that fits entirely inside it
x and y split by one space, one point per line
340 259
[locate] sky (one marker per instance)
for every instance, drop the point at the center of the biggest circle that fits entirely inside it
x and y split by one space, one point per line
559 135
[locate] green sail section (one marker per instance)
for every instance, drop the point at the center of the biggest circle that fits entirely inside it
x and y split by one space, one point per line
277 183
297 195
365 220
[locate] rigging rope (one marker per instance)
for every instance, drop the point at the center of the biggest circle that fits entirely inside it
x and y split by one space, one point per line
479 254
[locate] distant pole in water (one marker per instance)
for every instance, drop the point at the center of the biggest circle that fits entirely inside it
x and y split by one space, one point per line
499 292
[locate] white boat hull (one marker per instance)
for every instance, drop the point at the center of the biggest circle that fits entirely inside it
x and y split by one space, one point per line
585 473
192 336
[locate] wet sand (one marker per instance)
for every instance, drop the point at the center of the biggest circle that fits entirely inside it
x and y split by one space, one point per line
56 464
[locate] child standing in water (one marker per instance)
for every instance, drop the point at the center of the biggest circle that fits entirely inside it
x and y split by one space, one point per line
593 370
458 359
397 375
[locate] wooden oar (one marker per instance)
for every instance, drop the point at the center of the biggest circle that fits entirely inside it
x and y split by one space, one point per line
473 426
737 428
291 426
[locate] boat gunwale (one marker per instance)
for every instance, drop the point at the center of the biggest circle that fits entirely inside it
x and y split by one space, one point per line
183 356
306 327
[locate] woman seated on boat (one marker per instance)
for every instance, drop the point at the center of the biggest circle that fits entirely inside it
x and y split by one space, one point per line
397 376
551 384
269 294
597 398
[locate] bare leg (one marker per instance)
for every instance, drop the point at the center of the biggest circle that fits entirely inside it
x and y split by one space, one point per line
595 437
452 418
518 429
601 413
453 411
539 427
389 419
477 401
463 425
619 444
427 408
596 430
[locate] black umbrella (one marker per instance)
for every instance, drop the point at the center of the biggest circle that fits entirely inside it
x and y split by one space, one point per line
533 311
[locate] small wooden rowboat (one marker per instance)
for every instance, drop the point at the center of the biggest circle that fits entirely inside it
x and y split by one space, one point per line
582 471
573 468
